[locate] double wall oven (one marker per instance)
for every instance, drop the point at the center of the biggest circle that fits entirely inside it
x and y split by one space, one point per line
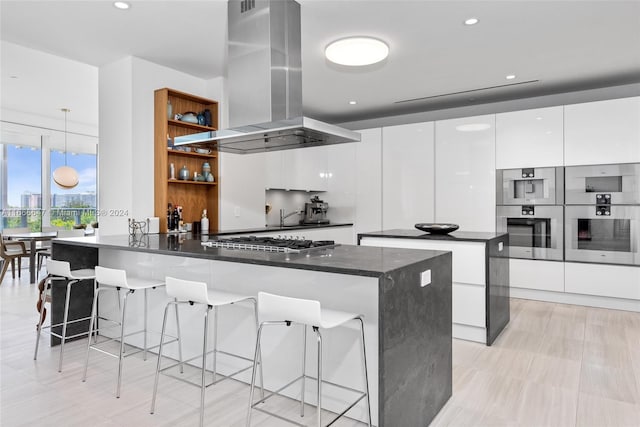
529 208
602 214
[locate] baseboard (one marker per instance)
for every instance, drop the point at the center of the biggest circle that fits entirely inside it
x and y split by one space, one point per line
576 299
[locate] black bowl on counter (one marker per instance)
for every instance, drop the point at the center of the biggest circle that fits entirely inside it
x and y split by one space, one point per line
437 228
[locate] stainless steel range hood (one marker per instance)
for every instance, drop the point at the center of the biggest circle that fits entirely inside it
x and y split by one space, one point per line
265 84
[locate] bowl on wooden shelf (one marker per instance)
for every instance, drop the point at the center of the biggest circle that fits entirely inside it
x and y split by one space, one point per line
437 228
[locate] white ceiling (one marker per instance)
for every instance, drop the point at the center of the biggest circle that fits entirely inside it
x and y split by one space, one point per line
564 45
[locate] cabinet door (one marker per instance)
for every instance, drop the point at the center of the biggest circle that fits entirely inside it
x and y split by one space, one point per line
368 215
274 172
602 132
530 138
603 280
305 169
465 173
407 175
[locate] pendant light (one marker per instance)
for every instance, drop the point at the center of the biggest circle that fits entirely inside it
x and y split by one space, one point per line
65 176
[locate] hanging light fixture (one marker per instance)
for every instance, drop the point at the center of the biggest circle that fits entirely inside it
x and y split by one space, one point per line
65 176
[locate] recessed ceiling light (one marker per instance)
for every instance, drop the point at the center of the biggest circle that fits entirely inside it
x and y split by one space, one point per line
353 102
473 127
121 5
538 118
471 21
13 77
357 51
511 76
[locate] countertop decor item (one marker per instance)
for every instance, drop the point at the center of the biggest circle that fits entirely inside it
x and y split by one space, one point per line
436 228
65 176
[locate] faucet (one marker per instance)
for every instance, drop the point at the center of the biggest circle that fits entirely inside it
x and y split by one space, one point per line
283 216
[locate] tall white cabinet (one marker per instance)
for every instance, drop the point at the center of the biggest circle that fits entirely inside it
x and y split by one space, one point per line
368 215
465 173
407 175
602 132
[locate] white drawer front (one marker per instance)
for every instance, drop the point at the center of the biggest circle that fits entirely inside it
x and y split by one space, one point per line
469 304
468 257
604 280
532 274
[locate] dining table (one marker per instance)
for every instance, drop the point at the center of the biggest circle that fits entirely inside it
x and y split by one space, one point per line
32 238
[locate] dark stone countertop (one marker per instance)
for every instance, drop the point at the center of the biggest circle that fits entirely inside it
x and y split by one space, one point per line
271 228
342 259
460 236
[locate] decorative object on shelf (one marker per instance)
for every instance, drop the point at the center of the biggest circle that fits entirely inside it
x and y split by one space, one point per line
210 178
435 228
207 118
169 141
204 223
206 169
137 227
65 176
189 117
201 119
172 171
184 173
203 151
169 110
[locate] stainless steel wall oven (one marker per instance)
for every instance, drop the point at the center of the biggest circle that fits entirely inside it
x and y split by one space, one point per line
535 232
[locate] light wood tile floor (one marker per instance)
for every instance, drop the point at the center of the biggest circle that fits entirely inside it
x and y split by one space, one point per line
555 365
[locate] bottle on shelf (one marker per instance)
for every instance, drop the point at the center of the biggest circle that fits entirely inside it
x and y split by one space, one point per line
204 222
169 217
176 219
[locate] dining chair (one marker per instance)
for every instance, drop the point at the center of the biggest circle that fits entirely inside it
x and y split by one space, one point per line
9 251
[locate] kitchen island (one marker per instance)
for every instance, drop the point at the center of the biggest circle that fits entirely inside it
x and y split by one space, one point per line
480 276
404 295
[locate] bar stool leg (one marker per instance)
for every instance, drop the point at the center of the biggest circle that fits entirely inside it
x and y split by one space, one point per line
304 367
259 359
144 352
155 383
64 323
215 342
121 355
92 323
204 364
319 376
178 336
366 375
43 298
253 374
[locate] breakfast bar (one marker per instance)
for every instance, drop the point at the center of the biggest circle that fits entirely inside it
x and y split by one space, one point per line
404 295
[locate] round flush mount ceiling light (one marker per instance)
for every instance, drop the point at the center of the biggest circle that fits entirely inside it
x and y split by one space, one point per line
356 51
473 127
353 102
511 77
471 21
121 5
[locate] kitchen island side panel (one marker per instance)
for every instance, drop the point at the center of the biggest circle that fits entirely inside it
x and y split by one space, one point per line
498 303
415 355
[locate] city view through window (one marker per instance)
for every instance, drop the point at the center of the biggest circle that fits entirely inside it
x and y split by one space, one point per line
30 199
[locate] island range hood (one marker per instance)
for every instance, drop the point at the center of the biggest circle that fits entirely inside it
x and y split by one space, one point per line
265 84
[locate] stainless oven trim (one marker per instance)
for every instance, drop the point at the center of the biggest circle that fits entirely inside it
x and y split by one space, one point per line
575 176
573 213
555 213
554 182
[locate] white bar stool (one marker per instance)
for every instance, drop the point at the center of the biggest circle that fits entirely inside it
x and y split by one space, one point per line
61 270
307 313
189 292
110 279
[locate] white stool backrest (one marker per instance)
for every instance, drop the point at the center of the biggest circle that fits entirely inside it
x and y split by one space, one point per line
111 276
187 290
276 307
59 268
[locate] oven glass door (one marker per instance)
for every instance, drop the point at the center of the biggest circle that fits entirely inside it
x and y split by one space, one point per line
537 236
593 238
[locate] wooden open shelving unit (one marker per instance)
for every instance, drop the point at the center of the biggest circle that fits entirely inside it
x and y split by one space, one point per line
193 196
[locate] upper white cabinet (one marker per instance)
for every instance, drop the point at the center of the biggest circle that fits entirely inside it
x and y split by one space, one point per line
368 215
465 173
297 169
602 132
407 175
529 138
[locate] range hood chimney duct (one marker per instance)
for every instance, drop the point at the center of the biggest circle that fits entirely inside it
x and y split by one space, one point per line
265 84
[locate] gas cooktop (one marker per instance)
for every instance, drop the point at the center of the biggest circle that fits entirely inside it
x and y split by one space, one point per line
269 244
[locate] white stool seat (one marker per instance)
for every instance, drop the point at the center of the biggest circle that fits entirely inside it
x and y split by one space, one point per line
118 278
83 274
187 290
298 310
63 269
332 318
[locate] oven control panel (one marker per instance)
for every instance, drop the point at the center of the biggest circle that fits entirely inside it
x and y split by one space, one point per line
528 210
604 210
603 199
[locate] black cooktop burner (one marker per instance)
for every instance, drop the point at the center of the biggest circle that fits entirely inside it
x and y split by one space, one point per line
268 244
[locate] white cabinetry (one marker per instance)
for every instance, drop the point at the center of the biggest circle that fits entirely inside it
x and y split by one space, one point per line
465 173
368 215
530 138
602 132
407 175
603 280
536 274
297 169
